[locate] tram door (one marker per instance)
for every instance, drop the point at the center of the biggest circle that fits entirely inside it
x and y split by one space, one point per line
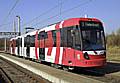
42 45
18 46
28 46
73 41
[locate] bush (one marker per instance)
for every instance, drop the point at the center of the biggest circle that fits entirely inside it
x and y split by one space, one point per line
113 39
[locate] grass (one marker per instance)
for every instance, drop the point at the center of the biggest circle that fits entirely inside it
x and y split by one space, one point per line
113 53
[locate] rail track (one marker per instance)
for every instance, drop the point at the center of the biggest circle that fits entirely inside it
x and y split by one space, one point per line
12 73
104 74
4 78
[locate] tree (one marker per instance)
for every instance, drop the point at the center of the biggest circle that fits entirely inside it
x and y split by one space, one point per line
118 31
113 39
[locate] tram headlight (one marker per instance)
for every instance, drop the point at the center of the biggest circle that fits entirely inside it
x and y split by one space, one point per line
78 56
86 56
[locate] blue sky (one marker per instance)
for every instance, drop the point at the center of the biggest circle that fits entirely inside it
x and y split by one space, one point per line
107 11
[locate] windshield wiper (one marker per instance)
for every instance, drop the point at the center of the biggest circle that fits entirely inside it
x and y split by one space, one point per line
86 43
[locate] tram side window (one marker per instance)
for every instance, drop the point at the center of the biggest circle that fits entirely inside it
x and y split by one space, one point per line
32 41
17 42
38 36
63 32
42 35
28 40
77 38
66 37
54 37
45 35
20 42
69 37
25 41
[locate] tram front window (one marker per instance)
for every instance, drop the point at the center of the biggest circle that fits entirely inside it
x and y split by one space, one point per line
93 37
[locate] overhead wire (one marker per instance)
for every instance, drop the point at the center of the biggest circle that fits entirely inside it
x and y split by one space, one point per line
5 24
12 8
44 13
62 12
60 3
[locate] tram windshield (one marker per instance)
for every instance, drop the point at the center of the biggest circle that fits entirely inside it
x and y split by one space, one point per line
92 36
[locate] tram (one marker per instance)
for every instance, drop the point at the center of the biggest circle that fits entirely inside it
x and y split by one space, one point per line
75 42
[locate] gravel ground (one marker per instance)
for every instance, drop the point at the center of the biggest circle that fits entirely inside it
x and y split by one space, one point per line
20 75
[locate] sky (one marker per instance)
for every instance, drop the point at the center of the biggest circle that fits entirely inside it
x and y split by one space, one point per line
52 11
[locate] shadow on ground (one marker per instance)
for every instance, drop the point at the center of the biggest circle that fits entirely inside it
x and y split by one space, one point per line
112 68
108 69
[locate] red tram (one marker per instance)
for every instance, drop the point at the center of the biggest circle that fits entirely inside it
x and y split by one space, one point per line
75 42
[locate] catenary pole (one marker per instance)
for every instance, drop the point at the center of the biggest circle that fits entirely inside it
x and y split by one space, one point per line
18 17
